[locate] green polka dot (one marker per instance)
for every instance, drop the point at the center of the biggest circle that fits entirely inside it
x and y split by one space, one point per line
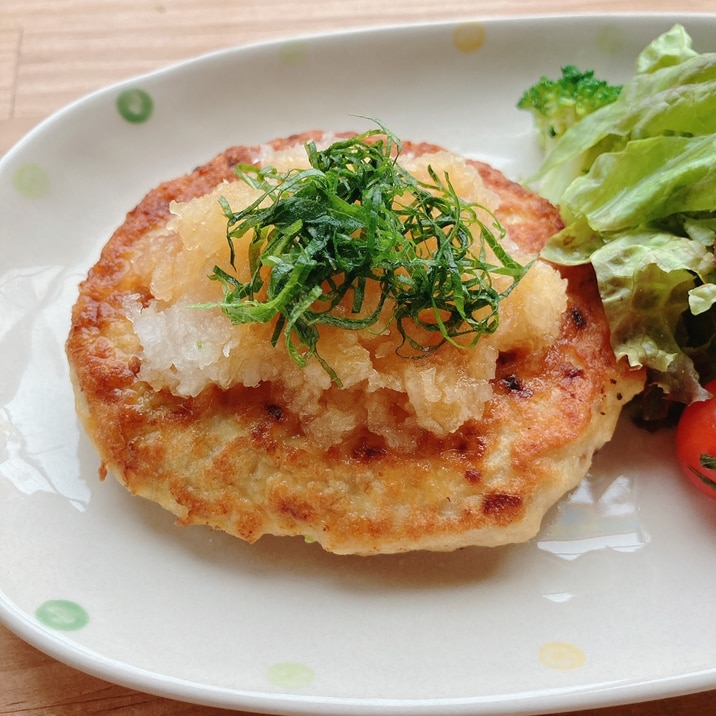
610 40
62 614
290 675
135 105
293 52
31 181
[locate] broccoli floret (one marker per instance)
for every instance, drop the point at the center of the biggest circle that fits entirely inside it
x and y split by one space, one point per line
558 104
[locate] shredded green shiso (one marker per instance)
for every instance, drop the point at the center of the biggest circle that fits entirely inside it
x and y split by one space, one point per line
321 235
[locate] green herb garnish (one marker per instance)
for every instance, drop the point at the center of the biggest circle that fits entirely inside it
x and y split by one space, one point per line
324 238
708 462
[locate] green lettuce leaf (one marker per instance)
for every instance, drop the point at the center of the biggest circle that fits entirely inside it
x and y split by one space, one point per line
648 180
647 281
672 92
636 185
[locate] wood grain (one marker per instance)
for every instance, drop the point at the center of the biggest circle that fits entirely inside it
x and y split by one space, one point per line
54 51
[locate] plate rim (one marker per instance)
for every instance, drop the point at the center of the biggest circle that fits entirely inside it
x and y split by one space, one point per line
329 35
293 704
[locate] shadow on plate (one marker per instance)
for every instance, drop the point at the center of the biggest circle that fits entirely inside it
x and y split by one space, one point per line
213 549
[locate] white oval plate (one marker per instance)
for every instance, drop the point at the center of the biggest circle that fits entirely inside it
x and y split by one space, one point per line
613 602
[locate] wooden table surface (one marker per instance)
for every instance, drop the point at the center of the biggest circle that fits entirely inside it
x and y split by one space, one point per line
54 51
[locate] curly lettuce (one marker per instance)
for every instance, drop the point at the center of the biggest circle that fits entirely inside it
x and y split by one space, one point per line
636 184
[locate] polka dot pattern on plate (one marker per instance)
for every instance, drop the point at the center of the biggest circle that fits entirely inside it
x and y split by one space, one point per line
469 36
135 105
293 52
62 614
290 675
610 40
561 655
31 181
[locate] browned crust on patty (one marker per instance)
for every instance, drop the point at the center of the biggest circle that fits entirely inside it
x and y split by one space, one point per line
236 459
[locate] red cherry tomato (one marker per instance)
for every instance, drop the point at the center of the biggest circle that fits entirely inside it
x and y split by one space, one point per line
696 443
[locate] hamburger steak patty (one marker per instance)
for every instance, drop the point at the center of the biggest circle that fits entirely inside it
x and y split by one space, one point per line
239 459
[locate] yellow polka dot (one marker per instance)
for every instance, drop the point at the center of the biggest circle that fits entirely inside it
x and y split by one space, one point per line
561 655
469 36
